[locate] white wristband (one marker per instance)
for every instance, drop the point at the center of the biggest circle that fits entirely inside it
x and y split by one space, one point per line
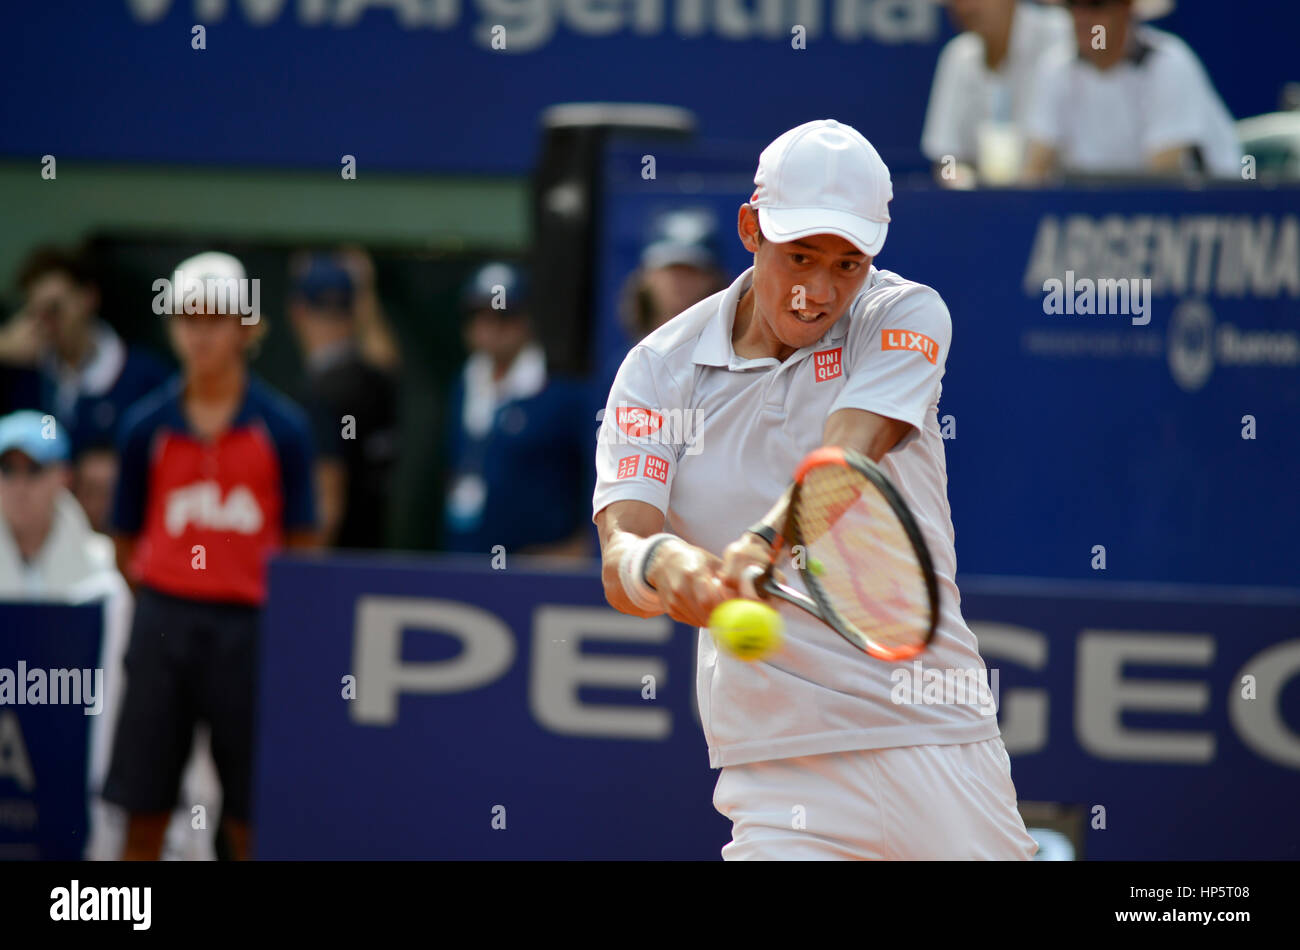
631 572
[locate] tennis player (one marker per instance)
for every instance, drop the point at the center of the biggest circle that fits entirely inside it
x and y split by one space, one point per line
825 752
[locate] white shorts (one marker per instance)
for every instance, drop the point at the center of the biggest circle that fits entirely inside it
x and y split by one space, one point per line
918 803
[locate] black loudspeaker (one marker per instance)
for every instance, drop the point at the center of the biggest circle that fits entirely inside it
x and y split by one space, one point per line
566 214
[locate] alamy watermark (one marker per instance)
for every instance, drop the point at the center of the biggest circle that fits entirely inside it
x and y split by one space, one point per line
61 687
637 425
932 686
1086 296
209 295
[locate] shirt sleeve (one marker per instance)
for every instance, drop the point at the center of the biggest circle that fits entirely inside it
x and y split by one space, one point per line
943 132
898 359
297 458
129 496
636 457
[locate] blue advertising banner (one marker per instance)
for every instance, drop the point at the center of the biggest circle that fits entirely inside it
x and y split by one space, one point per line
1154 444
442 709
490 714
50 687
459 85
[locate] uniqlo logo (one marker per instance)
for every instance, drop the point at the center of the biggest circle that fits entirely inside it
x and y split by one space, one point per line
827 365
907 340
627 466
656 468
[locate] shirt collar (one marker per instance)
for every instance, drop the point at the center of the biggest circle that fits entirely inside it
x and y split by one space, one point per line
175 409
714 345
713 348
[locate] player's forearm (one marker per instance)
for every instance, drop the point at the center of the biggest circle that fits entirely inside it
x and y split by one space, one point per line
613 549
620 527
868 433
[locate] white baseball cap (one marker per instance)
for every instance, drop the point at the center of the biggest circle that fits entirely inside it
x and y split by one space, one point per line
192 272
823 177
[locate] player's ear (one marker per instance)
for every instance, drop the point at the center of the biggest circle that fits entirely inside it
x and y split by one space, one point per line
747 228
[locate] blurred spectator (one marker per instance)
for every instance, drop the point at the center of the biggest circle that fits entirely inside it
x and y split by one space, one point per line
216 476
973 125
352 403
82 372
679 267
1128 100
375 336
520 442
48 551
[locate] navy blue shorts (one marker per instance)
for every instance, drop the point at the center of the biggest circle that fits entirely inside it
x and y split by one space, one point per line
188 661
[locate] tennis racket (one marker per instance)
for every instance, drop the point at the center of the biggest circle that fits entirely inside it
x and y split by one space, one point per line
866 566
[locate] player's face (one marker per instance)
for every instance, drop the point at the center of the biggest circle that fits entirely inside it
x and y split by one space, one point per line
208 344
802 287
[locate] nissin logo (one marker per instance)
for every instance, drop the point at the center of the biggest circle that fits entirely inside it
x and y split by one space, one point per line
638 422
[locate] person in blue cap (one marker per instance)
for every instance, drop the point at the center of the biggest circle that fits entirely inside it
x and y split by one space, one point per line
353 406
43 539
519 440
679 266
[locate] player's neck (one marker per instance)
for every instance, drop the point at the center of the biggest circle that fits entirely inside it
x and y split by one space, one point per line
749 339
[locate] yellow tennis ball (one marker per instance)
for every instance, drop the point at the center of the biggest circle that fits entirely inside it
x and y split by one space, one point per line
816 567
745 628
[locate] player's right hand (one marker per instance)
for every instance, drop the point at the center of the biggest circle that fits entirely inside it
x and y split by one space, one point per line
688 580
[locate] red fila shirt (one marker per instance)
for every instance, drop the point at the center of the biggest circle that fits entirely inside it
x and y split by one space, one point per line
234 497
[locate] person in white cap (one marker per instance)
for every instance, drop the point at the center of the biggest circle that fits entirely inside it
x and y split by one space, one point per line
819 757
1126 99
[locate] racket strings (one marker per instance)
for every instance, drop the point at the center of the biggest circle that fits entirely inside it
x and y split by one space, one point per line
866 565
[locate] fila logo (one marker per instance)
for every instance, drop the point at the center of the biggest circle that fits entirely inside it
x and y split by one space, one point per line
827 364
656 468
627 466
907 340
200 504
638 422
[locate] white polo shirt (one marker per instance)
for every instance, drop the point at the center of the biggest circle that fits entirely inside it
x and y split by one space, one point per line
966 93
1114 120
712 440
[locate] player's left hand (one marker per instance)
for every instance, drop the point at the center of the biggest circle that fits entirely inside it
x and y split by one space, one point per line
749 550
